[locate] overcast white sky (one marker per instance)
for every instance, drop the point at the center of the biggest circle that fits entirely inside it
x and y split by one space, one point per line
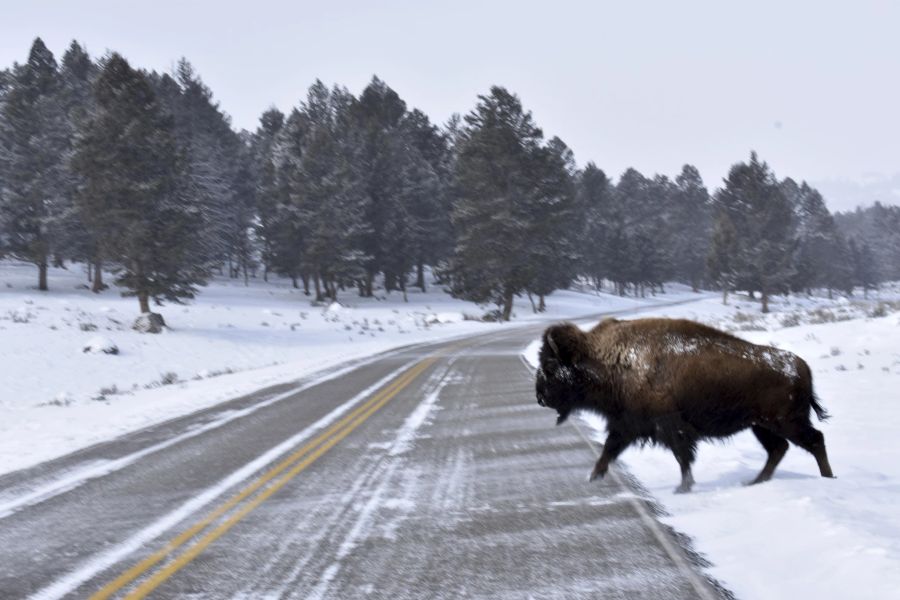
814 87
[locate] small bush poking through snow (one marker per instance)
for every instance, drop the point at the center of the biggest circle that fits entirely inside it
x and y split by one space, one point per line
20 316
168 378
100 345
879 311
62 399
791 320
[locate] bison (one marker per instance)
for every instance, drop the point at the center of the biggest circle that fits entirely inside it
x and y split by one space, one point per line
675 382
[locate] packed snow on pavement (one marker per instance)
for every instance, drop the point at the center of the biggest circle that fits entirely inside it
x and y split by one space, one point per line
75 373
798 535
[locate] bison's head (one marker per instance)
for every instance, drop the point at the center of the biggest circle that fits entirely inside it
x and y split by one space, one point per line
559 382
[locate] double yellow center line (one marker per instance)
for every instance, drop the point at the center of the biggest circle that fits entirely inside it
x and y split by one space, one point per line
278 477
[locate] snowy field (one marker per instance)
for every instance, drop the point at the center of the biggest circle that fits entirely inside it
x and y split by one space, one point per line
56 397
799 536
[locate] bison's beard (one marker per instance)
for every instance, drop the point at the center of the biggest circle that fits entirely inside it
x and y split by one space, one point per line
563 414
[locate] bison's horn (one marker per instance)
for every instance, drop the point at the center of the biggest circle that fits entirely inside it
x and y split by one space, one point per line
552 344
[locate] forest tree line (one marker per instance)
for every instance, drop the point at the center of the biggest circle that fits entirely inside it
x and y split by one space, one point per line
142 174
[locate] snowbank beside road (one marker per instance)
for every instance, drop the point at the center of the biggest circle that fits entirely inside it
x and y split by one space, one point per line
799 535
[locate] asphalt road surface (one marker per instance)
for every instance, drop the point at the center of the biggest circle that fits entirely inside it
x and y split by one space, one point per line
428 472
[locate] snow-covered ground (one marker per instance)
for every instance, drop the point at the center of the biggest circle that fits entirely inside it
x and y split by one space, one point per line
799 536
74 373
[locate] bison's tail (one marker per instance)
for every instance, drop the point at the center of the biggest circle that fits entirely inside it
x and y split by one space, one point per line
821 413
807 390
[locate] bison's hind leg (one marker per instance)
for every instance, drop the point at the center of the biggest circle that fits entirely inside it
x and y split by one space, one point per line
685 450
775 445
811 439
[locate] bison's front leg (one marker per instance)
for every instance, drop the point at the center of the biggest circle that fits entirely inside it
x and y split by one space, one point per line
614 445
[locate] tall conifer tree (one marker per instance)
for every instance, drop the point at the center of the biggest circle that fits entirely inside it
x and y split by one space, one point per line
133 189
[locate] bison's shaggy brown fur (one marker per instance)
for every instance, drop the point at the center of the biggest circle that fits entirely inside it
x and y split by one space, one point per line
675 382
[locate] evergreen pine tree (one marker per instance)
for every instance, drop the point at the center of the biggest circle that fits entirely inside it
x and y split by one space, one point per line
327 192
864 270
428 196
641 252
77 74
33 145
593 201
762 217
723 254
268 191
820 258
214 158
291 217
133 189
556 230
499 195
378 116
691 227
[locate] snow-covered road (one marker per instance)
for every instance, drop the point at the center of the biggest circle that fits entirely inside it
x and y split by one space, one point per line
429 472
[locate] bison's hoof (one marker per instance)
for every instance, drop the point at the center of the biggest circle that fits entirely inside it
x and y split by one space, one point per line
683 489
595 475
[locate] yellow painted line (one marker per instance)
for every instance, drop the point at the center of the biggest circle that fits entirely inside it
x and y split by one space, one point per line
314 449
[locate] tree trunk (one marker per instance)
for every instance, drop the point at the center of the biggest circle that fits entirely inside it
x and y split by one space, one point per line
305 278
318 287
89 272
725 296
370 277
97 285
420 277
294 282
266 273
144 301
530 299
542 306
765 300
507 304
42 275
403 288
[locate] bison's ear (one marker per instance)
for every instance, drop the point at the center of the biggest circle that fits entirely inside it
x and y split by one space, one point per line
566 342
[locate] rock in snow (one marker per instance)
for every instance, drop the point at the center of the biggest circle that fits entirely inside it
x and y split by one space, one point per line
100 345
149 323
